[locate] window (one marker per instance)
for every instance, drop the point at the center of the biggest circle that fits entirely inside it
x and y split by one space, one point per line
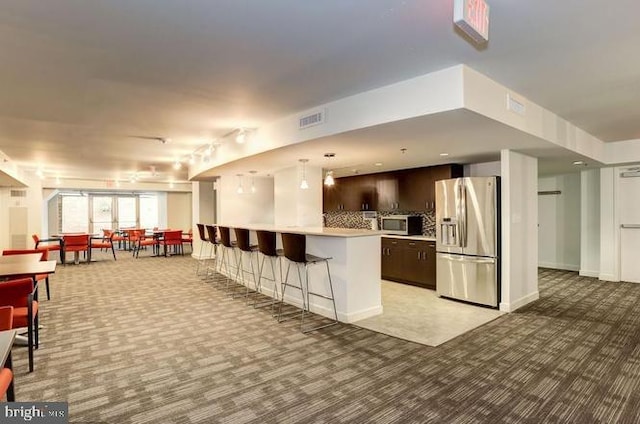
82 213
127 212
102 213
75 214
149 211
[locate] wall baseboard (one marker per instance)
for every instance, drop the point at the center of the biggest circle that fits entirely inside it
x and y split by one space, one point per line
608 277
553 265
519 303
587 273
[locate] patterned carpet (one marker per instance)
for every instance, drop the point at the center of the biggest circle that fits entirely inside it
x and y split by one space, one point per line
146 341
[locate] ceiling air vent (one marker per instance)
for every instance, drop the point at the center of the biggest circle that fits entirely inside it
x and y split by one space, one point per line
311 119
18 193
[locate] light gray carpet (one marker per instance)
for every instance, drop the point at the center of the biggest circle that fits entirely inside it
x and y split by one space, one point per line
146 341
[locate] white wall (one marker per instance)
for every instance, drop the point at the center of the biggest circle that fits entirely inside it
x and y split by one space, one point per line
294 206
34 212
179 213
519 230
590 223
246 208
484 169
559 222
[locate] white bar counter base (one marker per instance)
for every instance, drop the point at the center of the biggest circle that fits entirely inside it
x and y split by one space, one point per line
355 269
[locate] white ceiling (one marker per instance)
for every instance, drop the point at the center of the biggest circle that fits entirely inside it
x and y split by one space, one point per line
78 78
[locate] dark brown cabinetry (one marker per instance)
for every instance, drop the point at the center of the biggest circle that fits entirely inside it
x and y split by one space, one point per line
351 194
417 186
405 190
409 261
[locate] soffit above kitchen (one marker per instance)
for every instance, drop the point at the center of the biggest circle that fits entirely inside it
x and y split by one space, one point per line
80 78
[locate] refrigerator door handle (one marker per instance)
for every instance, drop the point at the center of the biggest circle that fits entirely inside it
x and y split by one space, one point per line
472 259
462 218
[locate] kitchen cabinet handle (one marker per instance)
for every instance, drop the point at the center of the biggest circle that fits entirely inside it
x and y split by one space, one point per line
630 226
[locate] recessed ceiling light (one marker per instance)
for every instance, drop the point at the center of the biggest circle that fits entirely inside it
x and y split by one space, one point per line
378 164
444 154
578 162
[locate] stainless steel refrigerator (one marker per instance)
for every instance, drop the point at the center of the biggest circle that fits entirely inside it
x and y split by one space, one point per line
468 239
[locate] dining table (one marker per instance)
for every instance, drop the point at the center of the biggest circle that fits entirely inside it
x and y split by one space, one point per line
22 258
26 268
7 338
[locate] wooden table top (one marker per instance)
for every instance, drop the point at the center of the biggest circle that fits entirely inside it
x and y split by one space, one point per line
24 257
12 269
6 342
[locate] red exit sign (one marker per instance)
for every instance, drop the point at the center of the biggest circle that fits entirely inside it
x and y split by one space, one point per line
472 16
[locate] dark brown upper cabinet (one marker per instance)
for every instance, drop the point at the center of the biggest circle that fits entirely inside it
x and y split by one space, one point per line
417 186
405 190
356 193
388 189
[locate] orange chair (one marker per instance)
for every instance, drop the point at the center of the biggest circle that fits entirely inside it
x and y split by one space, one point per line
20 294
76 243
51 244
134 235
172 238
45 257
6 375
115 237
143 240
6 318
105 243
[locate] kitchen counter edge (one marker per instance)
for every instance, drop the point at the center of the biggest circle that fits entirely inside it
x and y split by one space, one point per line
311 231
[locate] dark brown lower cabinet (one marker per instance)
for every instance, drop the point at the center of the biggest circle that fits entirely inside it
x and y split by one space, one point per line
409 261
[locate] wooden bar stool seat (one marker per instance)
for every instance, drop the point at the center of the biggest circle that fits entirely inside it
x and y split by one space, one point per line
269 252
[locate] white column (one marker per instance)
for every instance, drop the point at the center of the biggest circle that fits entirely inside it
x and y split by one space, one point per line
590 223
519 261
203 209
609 227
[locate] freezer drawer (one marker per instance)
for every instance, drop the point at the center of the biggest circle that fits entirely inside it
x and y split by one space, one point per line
470 278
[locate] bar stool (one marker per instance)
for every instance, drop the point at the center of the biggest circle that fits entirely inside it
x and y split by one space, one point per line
267 247
212 239
246 249
227 247
295 250
203 240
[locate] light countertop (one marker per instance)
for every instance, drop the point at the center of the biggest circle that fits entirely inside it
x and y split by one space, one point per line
423 238
311 231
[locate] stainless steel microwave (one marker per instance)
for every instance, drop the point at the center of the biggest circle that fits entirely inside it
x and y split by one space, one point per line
406 225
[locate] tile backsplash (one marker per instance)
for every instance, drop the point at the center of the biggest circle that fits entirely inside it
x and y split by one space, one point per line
353 219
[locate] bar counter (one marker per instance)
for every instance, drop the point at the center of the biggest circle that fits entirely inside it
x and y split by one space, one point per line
355 268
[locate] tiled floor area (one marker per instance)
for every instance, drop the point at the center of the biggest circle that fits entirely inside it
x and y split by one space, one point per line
419 315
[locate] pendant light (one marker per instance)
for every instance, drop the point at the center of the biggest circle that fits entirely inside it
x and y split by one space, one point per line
239 190
253 182
328 179
303 184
